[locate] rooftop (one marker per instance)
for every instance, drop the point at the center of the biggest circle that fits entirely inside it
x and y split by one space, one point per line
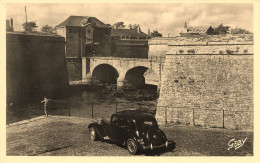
76 21
127 32
197 29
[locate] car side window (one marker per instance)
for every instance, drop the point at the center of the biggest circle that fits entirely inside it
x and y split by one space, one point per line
122 122
130 125
114 119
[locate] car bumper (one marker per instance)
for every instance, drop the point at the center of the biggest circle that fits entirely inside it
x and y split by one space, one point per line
151 147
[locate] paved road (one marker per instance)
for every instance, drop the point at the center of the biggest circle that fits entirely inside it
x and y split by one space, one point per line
68 136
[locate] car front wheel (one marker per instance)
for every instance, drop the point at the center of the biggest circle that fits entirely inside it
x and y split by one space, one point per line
131 146
93 134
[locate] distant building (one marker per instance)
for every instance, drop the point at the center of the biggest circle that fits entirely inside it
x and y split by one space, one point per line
89 37
196 30
83 32
128 34
9 25
85 37
205 30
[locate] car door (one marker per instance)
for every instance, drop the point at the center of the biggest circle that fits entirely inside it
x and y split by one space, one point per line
108 128
118 127
122 130
114 125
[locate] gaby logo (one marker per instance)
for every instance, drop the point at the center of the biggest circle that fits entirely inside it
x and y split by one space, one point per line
233 143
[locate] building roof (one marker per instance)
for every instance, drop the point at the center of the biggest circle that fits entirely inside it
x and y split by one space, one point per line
76 21
127 32
197 29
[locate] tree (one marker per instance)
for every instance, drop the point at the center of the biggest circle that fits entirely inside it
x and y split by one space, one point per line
31 26
118 25
130 26
210 31
221 29
46 28
135 27
155 33
240 31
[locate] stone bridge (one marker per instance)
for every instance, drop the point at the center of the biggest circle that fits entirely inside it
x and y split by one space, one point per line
114 70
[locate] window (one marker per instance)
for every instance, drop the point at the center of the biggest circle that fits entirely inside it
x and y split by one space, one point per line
114 119
133 37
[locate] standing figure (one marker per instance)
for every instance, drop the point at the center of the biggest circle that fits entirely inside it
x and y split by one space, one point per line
45 101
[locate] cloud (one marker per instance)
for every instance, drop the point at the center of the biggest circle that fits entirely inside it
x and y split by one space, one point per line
167 18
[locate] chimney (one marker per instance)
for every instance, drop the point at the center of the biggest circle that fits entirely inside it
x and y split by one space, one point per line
139 30
185 25
11 20
148 32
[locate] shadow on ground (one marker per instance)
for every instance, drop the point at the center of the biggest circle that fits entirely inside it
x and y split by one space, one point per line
158 152
155 152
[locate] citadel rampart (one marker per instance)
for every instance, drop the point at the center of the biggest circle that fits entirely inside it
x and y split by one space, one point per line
36 66
206 44
203 86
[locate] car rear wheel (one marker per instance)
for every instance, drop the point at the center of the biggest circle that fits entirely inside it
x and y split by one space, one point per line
93 134
131 146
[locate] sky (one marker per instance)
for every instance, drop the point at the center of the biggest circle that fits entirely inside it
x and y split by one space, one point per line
167 18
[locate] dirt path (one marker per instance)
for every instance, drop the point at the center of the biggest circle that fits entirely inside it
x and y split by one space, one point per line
68 136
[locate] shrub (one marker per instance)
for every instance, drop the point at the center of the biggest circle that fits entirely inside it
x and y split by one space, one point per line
238 49
181 51
229 51
245 51
191 51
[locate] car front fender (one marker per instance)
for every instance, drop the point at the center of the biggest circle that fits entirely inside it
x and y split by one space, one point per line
98 127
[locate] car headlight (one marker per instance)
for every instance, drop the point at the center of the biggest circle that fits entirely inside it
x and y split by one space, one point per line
137 133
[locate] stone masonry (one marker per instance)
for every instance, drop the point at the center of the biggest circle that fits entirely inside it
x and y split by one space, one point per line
36 66
208 89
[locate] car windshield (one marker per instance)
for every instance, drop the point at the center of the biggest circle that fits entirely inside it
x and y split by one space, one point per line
147 124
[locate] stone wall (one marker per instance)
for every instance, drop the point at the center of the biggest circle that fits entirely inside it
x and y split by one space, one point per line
198 89
211 49
102 38
129 48
75 41
74 67
36 66
201 44
158 47
158 50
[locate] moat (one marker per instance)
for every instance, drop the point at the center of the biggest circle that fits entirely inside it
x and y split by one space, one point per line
89 101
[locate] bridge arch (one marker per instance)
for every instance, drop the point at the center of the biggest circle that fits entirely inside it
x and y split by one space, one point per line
135 76
124 69
105 73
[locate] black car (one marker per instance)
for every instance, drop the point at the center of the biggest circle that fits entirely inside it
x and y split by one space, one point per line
134 129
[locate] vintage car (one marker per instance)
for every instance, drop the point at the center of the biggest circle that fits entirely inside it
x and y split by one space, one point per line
134 129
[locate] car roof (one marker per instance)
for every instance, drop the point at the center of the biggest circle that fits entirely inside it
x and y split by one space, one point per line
135 115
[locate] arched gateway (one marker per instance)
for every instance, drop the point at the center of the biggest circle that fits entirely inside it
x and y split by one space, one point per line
136 72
